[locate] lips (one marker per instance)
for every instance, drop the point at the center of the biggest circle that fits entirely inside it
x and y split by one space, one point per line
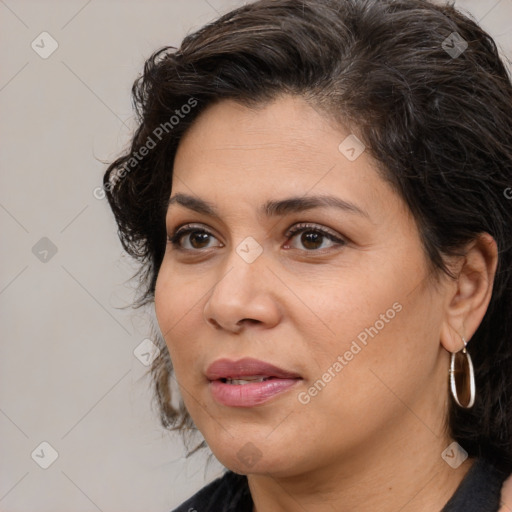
248 382
227 369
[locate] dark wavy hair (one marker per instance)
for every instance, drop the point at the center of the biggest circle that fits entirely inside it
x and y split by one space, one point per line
436 117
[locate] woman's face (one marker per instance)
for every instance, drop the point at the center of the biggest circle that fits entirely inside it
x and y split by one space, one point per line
344 307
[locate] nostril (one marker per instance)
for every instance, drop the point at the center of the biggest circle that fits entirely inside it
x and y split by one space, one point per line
237 328
214 323
248 320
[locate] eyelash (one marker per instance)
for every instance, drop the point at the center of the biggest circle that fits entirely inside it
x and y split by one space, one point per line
179 233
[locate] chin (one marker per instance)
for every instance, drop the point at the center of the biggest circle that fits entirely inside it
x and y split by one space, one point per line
246 454
254 466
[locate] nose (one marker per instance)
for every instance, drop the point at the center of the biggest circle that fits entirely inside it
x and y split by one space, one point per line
245 294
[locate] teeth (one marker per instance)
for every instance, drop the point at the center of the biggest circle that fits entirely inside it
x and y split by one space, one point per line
247 380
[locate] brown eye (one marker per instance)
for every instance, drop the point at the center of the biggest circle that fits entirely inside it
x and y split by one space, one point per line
197 238
312 237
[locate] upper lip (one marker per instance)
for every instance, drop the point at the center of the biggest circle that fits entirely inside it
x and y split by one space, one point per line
228 369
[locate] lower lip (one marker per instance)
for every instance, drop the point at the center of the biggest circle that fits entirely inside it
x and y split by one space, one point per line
249 395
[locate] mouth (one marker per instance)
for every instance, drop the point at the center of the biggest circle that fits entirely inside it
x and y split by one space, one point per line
246 369
248 382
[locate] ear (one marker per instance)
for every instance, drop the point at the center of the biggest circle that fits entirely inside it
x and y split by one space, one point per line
469 295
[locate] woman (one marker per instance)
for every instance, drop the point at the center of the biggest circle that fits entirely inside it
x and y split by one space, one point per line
317 194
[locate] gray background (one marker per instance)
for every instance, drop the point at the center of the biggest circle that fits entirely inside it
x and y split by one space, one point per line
68 373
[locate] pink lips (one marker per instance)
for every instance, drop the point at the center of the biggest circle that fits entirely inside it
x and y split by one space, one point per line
250 394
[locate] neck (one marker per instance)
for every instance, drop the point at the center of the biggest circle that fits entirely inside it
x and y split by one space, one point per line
404 472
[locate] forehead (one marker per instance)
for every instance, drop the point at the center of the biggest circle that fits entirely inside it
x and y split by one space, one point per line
281 149
285 122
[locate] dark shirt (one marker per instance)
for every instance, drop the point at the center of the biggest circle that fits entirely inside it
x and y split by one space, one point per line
479 491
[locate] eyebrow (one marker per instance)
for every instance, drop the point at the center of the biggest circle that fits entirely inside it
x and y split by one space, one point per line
272 208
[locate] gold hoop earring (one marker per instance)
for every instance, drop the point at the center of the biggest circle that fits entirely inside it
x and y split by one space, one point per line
462 376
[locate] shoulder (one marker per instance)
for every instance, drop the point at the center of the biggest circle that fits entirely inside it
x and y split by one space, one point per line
479 491
228 493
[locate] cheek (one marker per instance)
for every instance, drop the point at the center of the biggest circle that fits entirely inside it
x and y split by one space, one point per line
163 302
346 307
370 326
178 315
365 376
170 309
